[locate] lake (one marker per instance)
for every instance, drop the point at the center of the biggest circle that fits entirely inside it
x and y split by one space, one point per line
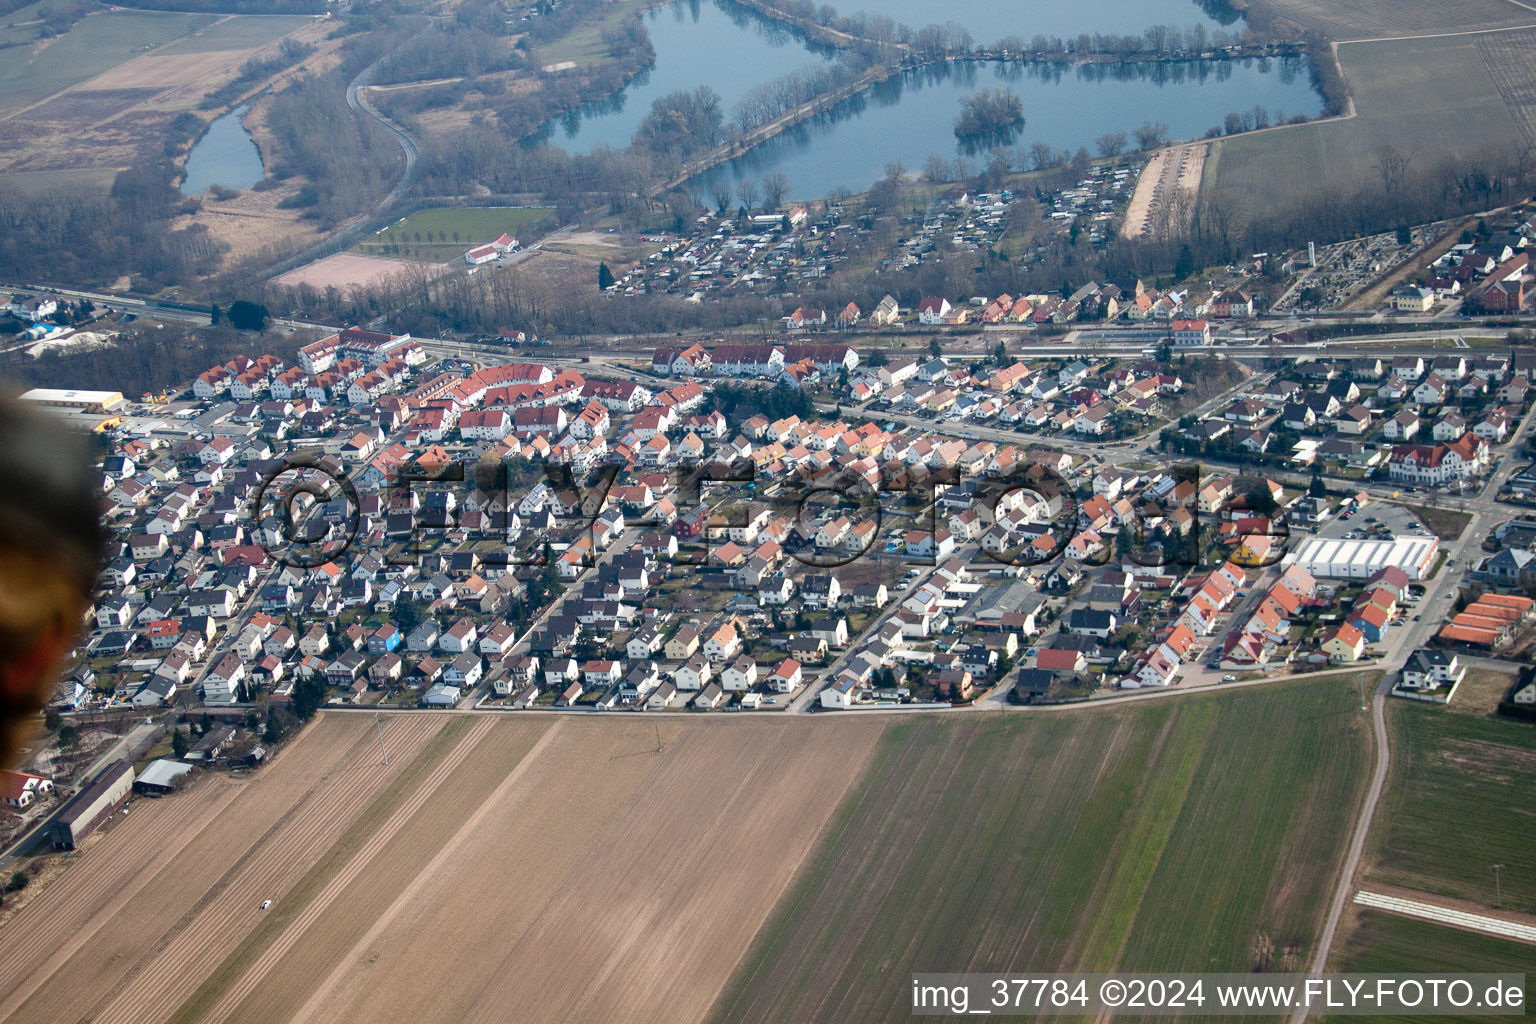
991 20
732 50
225 155
692 39
912 116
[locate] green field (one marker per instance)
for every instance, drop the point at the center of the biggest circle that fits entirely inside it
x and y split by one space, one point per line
1196 833
452 230
239 33
1462 798
95 44
584 45
1385 943
1401 89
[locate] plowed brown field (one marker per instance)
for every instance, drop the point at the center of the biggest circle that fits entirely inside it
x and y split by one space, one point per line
626 863
250 850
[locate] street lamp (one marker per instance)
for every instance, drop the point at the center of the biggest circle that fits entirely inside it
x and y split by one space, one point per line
1360 681
1498 884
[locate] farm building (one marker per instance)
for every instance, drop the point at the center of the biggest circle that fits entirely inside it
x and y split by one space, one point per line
91 806
1361 559
160 776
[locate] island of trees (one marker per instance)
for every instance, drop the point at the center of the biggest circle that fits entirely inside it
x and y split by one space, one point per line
990 113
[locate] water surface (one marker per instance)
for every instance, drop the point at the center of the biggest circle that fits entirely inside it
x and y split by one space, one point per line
225 155
910 117
991 20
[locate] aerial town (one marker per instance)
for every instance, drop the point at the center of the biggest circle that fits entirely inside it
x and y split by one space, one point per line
664 534
717 511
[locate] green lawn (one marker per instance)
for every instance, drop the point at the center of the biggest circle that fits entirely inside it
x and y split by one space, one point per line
473 226
584 44
1384 943
1193 833
1460 800
94 45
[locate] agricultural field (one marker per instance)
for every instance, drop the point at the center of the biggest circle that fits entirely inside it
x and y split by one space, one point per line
1373 19
95 45
1511 60
1384 943
442 235
1398 87
579 849
95 97
194 881
1197 834
1458 802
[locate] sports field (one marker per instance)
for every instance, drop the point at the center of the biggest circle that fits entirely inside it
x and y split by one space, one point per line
1459 800
348 270
1429 99
622 861
440 235
1197 834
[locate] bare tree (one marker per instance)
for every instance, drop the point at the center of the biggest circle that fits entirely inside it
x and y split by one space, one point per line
721 190
936 169
1042 157
775 188
1151 135
747 190
1112 144
1392 164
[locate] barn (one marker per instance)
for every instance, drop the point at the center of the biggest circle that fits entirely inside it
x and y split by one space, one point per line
91 806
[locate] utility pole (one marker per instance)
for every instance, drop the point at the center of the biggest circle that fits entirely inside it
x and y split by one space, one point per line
1498 884
1360 680
378 723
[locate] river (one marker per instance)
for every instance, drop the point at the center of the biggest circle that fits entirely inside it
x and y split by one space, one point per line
225 155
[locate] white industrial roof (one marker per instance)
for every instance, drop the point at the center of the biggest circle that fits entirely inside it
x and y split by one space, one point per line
103 398
1363 556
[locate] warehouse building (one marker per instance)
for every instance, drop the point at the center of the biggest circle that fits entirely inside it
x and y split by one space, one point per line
100 403
91 806
1361 559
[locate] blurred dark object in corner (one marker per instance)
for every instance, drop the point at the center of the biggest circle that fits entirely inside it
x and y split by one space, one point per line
51 542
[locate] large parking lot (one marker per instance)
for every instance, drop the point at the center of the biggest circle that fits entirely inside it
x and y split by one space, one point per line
1377 521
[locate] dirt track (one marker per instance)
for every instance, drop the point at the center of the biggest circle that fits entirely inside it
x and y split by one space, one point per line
1168 187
